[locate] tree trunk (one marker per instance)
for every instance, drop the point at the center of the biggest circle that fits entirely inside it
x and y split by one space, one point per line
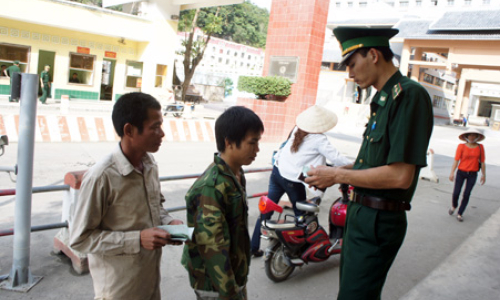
190 63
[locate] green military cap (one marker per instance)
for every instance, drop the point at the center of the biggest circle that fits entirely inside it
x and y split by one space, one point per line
16 62
354 38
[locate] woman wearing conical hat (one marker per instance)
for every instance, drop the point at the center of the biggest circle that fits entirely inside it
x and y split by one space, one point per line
307 146
469 159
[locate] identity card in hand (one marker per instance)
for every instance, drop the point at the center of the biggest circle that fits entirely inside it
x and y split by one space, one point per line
180 233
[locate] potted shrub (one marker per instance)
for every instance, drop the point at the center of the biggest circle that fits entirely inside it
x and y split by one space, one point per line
268 88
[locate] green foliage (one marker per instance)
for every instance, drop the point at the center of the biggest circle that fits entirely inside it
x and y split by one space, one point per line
228 87
262 86
243 23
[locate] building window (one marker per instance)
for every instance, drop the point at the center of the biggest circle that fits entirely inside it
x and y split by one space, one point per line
428 78
467 2
83 66
486 2
437 101
349 4
161 75
220 59
363 4
235 54
449 85
134 74
451 2
325 66
439 81
403 3
337 67
10 53
228 52
391 3
337 4
227 61
418 3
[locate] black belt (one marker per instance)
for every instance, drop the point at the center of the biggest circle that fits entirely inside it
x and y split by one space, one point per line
380 203
468 172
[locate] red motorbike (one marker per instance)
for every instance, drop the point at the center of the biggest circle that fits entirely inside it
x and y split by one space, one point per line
295 241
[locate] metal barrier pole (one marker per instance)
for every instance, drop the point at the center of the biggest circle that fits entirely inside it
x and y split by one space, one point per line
20 278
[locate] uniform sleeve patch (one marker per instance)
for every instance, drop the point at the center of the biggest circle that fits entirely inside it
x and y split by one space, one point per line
396 90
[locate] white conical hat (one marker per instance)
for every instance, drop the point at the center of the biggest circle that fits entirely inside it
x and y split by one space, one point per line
472 130
316 119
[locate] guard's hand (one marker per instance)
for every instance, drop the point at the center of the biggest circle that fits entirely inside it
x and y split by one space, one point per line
154 238
483 179
452 177
322 177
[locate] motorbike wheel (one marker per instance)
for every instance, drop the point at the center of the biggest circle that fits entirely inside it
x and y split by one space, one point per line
177 115
276 267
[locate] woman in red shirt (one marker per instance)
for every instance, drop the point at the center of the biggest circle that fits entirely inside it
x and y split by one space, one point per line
468 158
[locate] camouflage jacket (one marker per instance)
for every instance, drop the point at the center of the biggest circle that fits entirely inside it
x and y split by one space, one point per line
218 257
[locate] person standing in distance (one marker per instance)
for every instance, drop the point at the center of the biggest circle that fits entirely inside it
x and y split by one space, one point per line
386 170
469 158
120 206
45 82
9 72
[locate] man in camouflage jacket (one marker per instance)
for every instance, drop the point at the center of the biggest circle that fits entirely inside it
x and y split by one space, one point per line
218 257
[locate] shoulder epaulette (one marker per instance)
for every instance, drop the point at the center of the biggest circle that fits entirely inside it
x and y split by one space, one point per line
396 90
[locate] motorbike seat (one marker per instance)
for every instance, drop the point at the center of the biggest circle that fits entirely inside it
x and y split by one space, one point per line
308 207
272 224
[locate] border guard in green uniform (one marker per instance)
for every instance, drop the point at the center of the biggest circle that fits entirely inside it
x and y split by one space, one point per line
387 167
45 83
9 72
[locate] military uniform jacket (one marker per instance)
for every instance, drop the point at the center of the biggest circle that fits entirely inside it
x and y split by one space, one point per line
398 130
218 257
13 69
45 76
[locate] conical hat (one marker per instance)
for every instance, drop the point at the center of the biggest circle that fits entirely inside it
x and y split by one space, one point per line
316 119
472 130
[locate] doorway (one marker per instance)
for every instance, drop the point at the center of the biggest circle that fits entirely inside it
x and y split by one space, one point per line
108 75
45 58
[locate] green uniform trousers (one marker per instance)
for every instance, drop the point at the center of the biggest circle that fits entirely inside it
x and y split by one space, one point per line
46 92
372 239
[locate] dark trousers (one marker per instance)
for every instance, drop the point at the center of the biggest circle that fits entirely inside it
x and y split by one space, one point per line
278 186
470 178
372 239
45 92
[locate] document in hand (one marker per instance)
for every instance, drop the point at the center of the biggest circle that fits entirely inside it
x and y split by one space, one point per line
180 233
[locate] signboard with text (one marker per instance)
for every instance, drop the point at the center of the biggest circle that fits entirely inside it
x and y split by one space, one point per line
83 50
109 54
284 66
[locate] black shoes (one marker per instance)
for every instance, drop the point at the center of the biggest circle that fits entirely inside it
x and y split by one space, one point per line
257 253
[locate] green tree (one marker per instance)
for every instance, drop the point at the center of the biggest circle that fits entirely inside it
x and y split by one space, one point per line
195 49
243 23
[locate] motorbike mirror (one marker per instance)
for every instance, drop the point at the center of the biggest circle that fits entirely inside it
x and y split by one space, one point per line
267 205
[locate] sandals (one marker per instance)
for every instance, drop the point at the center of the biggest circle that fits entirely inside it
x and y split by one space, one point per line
451 211
460 218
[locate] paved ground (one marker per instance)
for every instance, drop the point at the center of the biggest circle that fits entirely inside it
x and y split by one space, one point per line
440 259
